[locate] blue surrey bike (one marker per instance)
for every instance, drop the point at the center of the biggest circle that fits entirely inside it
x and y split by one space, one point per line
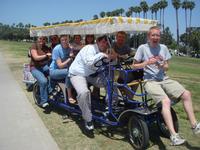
134 109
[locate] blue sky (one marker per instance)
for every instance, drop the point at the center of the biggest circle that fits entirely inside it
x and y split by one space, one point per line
37 12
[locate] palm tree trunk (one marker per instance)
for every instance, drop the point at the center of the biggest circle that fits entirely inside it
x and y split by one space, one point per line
161 17
186 20
156 15
177 25
190 18
186 31
163 20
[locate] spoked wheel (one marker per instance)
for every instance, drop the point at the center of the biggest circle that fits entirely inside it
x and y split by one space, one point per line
138 133
162 126
29 87
57 94
36 93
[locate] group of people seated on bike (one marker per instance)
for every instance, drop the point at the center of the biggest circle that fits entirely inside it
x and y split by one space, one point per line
74 62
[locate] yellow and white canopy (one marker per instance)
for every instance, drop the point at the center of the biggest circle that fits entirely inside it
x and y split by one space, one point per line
106 25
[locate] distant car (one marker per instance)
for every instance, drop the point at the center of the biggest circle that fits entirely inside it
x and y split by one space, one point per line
182 54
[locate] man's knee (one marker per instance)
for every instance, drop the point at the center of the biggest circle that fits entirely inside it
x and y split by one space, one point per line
186 95
84 94
44 82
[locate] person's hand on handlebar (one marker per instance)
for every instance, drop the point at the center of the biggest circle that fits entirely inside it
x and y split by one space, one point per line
111 54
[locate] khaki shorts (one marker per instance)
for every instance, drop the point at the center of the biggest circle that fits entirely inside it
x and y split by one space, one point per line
159 90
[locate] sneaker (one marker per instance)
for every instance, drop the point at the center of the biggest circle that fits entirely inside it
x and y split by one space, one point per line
176 140
196 129
45 105
89 125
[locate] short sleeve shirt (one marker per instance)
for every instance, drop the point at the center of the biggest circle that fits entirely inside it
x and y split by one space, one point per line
59 53
145 52
125 49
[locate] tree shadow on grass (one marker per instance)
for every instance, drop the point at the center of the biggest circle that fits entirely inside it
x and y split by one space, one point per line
69 117
112 132
155 138
116 133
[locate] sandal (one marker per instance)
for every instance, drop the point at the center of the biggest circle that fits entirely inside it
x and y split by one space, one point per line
72 101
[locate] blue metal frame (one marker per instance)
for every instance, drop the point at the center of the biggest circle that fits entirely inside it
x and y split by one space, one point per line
135 107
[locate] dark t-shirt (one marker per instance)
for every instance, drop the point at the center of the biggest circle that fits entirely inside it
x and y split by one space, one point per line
41 50
125 49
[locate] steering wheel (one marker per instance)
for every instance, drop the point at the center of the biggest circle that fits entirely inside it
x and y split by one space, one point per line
102 62
127 61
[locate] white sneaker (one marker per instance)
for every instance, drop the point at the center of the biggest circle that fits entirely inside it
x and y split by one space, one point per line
176 140
196 129
45 105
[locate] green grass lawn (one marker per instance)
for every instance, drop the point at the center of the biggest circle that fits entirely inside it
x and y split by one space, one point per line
68 134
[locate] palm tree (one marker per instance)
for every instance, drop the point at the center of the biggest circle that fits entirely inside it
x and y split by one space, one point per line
159 5
12 26
95 17
20 25
134 9
102 14
131 10
144 6
55 23
191 7
28 25
108 14
114 13
185 6
118 12
156 8
46 24
164 4
177 5
128 13
138 10
151 8
121 11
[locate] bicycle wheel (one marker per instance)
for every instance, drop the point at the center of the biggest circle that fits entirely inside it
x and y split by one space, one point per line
138 133
36 93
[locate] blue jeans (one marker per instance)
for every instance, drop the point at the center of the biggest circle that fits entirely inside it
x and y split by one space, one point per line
59 74
39 74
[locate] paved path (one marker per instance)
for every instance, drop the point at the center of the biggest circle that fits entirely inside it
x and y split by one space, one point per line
20 126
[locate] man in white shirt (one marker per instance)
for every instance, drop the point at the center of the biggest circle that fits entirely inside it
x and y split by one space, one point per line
80 71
